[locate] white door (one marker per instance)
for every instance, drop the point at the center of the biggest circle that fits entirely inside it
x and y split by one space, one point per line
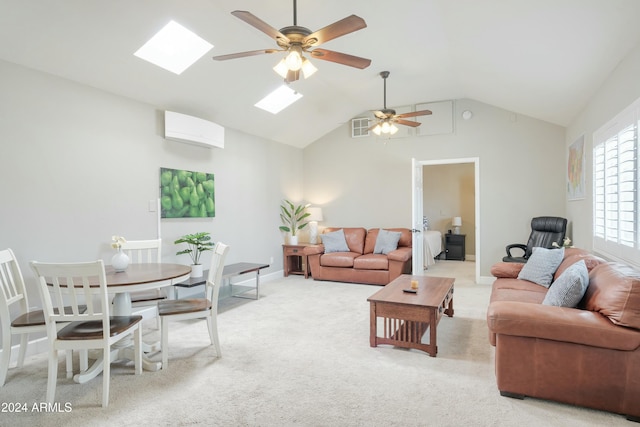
416 218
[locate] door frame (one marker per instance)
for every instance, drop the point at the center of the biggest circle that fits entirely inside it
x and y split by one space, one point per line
417 183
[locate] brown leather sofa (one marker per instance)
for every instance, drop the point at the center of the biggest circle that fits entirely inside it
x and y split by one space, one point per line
360 264
586 356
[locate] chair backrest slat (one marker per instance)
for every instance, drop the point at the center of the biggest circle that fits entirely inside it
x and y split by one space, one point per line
73 285
214 279
140 251
12 288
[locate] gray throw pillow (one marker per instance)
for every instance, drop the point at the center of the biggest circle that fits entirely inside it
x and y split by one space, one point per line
569 288
386 241
334 242
541 266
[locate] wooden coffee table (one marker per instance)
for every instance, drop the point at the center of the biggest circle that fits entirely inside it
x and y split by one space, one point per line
406 316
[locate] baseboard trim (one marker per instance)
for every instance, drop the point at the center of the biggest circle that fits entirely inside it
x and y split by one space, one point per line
487 280
36 346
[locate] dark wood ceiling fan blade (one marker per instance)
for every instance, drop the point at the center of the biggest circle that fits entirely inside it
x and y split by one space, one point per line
414 114
245 54
258 23
340 58
406 122
337 29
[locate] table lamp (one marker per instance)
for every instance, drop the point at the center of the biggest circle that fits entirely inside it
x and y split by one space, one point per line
456 223
314 217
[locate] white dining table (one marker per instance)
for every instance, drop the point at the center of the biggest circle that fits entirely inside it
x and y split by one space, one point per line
137 277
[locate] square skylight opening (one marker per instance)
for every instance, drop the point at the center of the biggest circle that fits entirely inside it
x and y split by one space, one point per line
279 99
174 48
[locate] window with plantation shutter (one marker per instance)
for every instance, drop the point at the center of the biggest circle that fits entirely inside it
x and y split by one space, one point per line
616 199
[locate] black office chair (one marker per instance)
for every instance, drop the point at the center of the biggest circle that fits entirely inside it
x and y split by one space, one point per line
545 230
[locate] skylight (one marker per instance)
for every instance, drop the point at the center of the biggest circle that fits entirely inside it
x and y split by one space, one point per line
174 48
279 99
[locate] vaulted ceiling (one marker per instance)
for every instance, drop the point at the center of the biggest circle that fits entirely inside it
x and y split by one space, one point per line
542 58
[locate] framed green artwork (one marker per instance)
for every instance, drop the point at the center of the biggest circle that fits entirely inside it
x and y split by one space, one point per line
186 194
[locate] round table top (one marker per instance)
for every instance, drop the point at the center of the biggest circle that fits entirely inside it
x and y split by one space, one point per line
136 274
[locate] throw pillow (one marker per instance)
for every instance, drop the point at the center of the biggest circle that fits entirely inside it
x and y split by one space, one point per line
541 266
386 241
569 288
334 242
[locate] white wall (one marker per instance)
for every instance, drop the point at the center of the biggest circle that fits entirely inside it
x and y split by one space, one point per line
367 181
79 165
619 91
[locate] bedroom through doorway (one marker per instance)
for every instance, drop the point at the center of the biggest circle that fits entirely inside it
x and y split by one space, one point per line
444 192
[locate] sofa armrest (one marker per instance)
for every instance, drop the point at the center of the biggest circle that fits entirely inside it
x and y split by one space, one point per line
507 270
313 250
559 324
402 254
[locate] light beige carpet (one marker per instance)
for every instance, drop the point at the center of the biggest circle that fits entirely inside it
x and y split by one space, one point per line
300 356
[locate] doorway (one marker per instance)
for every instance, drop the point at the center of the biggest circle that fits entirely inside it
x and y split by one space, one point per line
418 168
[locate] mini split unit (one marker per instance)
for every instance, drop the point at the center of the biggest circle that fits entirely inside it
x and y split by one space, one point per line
193 130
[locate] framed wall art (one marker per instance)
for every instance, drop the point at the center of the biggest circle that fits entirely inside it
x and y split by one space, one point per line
186 194
575 170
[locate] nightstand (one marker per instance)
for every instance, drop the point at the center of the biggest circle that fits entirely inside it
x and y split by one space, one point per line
454 245
294 259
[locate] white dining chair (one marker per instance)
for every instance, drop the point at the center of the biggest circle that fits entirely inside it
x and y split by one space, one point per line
196 308
13 297
93 329
145 303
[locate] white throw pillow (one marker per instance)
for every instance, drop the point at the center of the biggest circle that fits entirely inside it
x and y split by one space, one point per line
542 265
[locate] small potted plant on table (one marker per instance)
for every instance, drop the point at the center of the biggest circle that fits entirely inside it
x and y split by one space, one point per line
294 218
197 243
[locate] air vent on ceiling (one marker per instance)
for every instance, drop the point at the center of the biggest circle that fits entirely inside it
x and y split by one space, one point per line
359 127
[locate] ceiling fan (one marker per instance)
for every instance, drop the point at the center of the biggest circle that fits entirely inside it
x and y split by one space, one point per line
387 117
297 40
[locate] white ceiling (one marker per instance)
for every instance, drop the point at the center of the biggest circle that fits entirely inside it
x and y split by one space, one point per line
542 58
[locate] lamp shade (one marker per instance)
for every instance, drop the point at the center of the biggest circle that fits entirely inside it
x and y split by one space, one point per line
457 221
315 214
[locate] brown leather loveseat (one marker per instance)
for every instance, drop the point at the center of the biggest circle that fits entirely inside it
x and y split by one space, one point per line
360 264
588 355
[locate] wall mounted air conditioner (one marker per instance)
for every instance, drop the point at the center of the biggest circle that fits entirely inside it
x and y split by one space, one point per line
192 130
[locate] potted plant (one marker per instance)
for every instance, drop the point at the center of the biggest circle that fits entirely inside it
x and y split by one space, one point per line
293 217
197 243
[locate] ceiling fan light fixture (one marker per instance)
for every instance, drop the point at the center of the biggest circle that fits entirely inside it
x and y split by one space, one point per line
308 69
281 68
294 58
385 127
